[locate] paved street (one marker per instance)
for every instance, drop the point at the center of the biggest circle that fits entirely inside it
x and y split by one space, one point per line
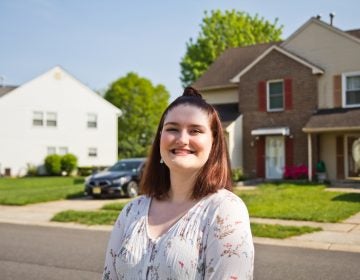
52 253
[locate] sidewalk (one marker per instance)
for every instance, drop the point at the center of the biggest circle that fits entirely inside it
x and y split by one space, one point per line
344 236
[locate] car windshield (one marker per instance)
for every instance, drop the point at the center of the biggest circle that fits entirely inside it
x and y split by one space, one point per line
125 166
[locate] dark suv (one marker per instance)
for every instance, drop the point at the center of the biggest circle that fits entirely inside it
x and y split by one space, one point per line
121 179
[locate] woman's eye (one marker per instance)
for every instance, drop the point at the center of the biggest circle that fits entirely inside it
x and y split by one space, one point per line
195 131
171 129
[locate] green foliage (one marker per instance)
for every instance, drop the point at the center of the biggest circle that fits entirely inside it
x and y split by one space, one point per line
32 170
237 174
68 163
220 31
142 104
53 164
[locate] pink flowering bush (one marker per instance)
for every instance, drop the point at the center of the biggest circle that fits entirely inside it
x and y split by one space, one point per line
296 172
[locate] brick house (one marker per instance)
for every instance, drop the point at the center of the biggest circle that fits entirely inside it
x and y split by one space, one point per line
299 101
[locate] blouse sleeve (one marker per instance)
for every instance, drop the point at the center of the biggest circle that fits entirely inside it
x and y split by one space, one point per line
114 244
230 250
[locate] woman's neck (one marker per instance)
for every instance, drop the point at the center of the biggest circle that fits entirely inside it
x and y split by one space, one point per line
181 187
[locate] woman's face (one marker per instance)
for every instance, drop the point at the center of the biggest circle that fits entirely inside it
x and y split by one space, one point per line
186 139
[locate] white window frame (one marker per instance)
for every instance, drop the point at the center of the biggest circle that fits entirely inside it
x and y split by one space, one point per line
34 119
89 120
50 119
50 152
92 152
268 95
63 150
344 76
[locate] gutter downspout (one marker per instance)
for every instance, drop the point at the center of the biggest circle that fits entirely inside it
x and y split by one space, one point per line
310 175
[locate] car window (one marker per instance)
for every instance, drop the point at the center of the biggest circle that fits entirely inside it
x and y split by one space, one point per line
125 166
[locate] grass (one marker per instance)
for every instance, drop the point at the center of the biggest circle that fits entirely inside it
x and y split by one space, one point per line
280 231
109 216
300 202
22 191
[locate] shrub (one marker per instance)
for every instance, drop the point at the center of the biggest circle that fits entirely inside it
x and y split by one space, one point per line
68 163
53 164
32 170
237 174
296 172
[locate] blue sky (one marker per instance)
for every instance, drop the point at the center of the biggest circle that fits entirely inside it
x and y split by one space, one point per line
100 41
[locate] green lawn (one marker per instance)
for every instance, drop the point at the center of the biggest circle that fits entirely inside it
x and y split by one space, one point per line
108 217
22 191
300 202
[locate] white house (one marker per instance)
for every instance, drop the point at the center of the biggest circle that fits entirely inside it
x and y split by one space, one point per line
55 113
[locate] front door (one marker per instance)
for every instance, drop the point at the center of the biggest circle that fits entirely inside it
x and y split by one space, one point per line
274 157
353 157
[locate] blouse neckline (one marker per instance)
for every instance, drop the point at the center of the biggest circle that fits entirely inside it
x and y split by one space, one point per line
173 226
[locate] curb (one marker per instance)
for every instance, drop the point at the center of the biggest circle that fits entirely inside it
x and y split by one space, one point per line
289 242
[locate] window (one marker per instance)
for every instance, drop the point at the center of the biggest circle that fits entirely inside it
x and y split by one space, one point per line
92 152
92 121
275 95
51 119
38 118
63 151
51 150
351 91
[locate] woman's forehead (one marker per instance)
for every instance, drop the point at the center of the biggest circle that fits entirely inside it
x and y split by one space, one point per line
187 114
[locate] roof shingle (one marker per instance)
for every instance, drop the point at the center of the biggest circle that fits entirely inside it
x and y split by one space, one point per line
229 64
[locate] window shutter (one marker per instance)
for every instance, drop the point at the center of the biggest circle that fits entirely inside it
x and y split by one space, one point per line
288 94
289 151
337 91
260 157
262 96
340 157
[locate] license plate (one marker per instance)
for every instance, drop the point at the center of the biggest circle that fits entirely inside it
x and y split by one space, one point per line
97 190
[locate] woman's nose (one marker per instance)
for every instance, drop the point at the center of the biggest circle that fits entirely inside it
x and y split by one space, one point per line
183 138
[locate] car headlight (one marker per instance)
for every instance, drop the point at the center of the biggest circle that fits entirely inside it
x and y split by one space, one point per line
122 180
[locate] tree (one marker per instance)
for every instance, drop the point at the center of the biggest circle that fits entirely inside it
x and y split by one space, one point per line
142 105
220 31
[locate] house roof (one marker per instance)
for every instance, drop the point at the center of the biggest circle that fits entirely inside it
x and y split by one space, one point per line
338 119
315 69
230 63
228 112
6 89
354 32
351 34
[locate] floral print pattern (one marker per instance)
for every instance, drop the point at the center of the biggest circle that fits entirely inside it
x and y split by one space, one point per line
211 241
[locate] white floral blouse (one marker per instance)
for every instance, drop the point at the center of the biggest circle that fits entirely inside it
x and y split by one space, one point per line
211 241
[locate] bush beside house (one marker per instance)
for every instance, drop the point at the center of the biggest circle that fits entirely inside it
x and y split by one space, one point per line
56 165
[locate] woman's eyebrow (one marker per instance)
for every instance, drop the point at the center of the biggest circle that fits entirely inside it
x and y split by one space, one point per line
191 125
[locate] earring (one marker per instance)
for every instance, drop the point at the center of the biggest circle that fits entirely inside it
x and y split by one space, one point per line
161 161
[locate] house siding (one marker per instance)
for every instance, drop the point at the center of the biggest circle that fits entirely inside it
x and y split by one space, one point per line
336 53
221 96
304 102
21 143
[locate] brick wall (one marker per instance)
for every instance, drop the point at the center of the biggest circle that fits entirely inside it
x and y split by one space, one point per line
304 102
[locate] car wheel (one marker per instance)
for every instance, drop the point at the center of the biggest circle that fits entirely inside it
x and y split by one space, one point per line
132 189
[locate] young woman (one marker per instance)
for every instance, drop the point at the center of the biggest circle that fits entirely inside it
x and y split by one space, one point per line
187 224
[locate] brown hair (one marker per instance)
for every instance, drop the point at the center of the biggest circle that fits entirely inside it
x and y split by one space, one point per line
214 175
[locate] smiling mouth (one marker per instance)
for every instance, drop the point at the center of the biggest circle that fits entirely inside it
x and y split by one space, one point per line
182 152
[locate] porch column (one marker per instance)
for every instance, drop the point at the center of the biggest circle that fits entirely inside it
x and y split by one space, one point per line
309 157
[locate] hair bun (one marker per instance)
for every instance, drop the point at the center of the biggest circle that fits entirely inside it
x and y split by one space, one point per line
190 91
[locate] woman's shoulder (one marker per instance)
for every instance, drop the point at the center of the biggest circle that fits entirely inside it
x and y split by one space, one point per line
225 200
135 206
